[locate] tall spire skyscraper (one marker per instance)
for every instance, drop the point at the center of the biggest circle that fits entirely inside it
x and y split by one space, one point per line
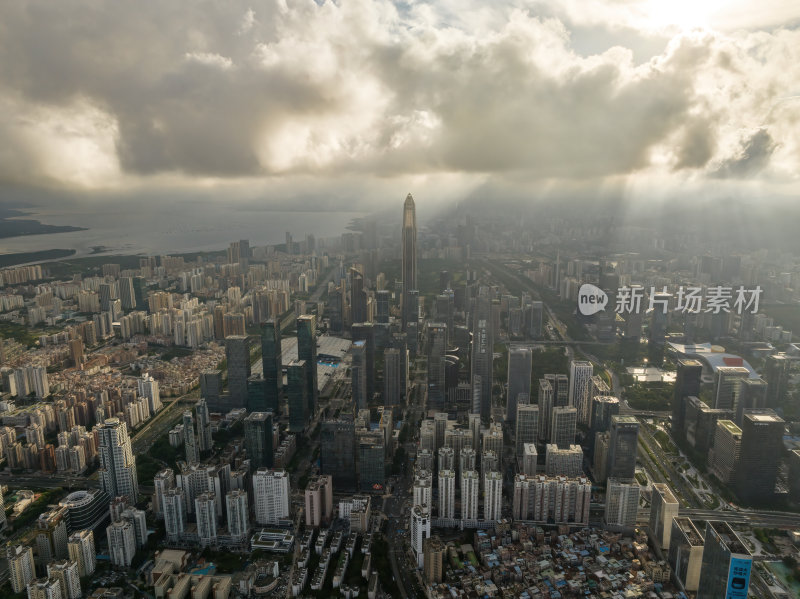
409 258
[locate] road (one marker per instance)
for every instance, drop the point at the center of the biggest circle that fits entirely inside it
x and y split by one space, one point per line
161 423
29 481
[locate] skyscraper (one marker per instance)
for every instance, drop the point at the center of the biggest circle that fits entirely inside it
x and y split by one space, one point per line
622 504
409 259
271 364
686 553
727 386
663 508
358 374
337 452
117 464
562 426
237 352
297 383
520 362
258 439
546 399
420 530
622 447
382 306
447 494
358 297
371 462
270 495
482 352
20 566
760 455
307 350
470 483
493 496
580 389
204 440
527 426
394 376
727 563
437 346
687 383
238 514
191 450
365 331
776 373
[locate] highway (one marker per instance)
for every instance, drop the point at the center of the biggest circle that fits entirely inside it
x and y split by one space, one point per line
45 481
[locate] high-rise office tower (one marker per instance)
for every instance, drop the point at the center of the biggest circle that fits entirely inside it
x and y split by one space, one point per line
580 389
271 364
687 383
727 386
622 504
560 385
686 553
470 484
117 463
394 376
563 423
527 426
622 448
258 439
603 408
437 346
475 430
520 362
546 402
776 373
492 496
482 350
366 331
600 458
382 297
358 297
271 495
51 536
493 439
663 508
724 456
191 450
358 374
409 260
752 396
529 459
760 455
727 564
297 384
127 294
337 452
237 352
371 462
439 429
447 494
307 350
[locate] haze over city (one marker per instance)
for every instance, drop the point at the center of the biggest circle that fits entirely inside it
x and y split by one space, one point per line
400 299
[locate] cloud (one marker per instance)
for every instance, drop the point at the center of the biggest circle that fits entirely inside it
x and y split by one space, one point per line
116 95
751 157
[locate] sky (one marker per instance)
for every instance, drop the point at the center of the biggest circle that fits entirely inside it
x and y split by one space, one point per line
357 102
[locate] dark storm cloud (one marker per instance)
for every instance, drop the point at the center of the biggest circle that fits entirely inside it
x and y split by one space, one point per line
102 94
